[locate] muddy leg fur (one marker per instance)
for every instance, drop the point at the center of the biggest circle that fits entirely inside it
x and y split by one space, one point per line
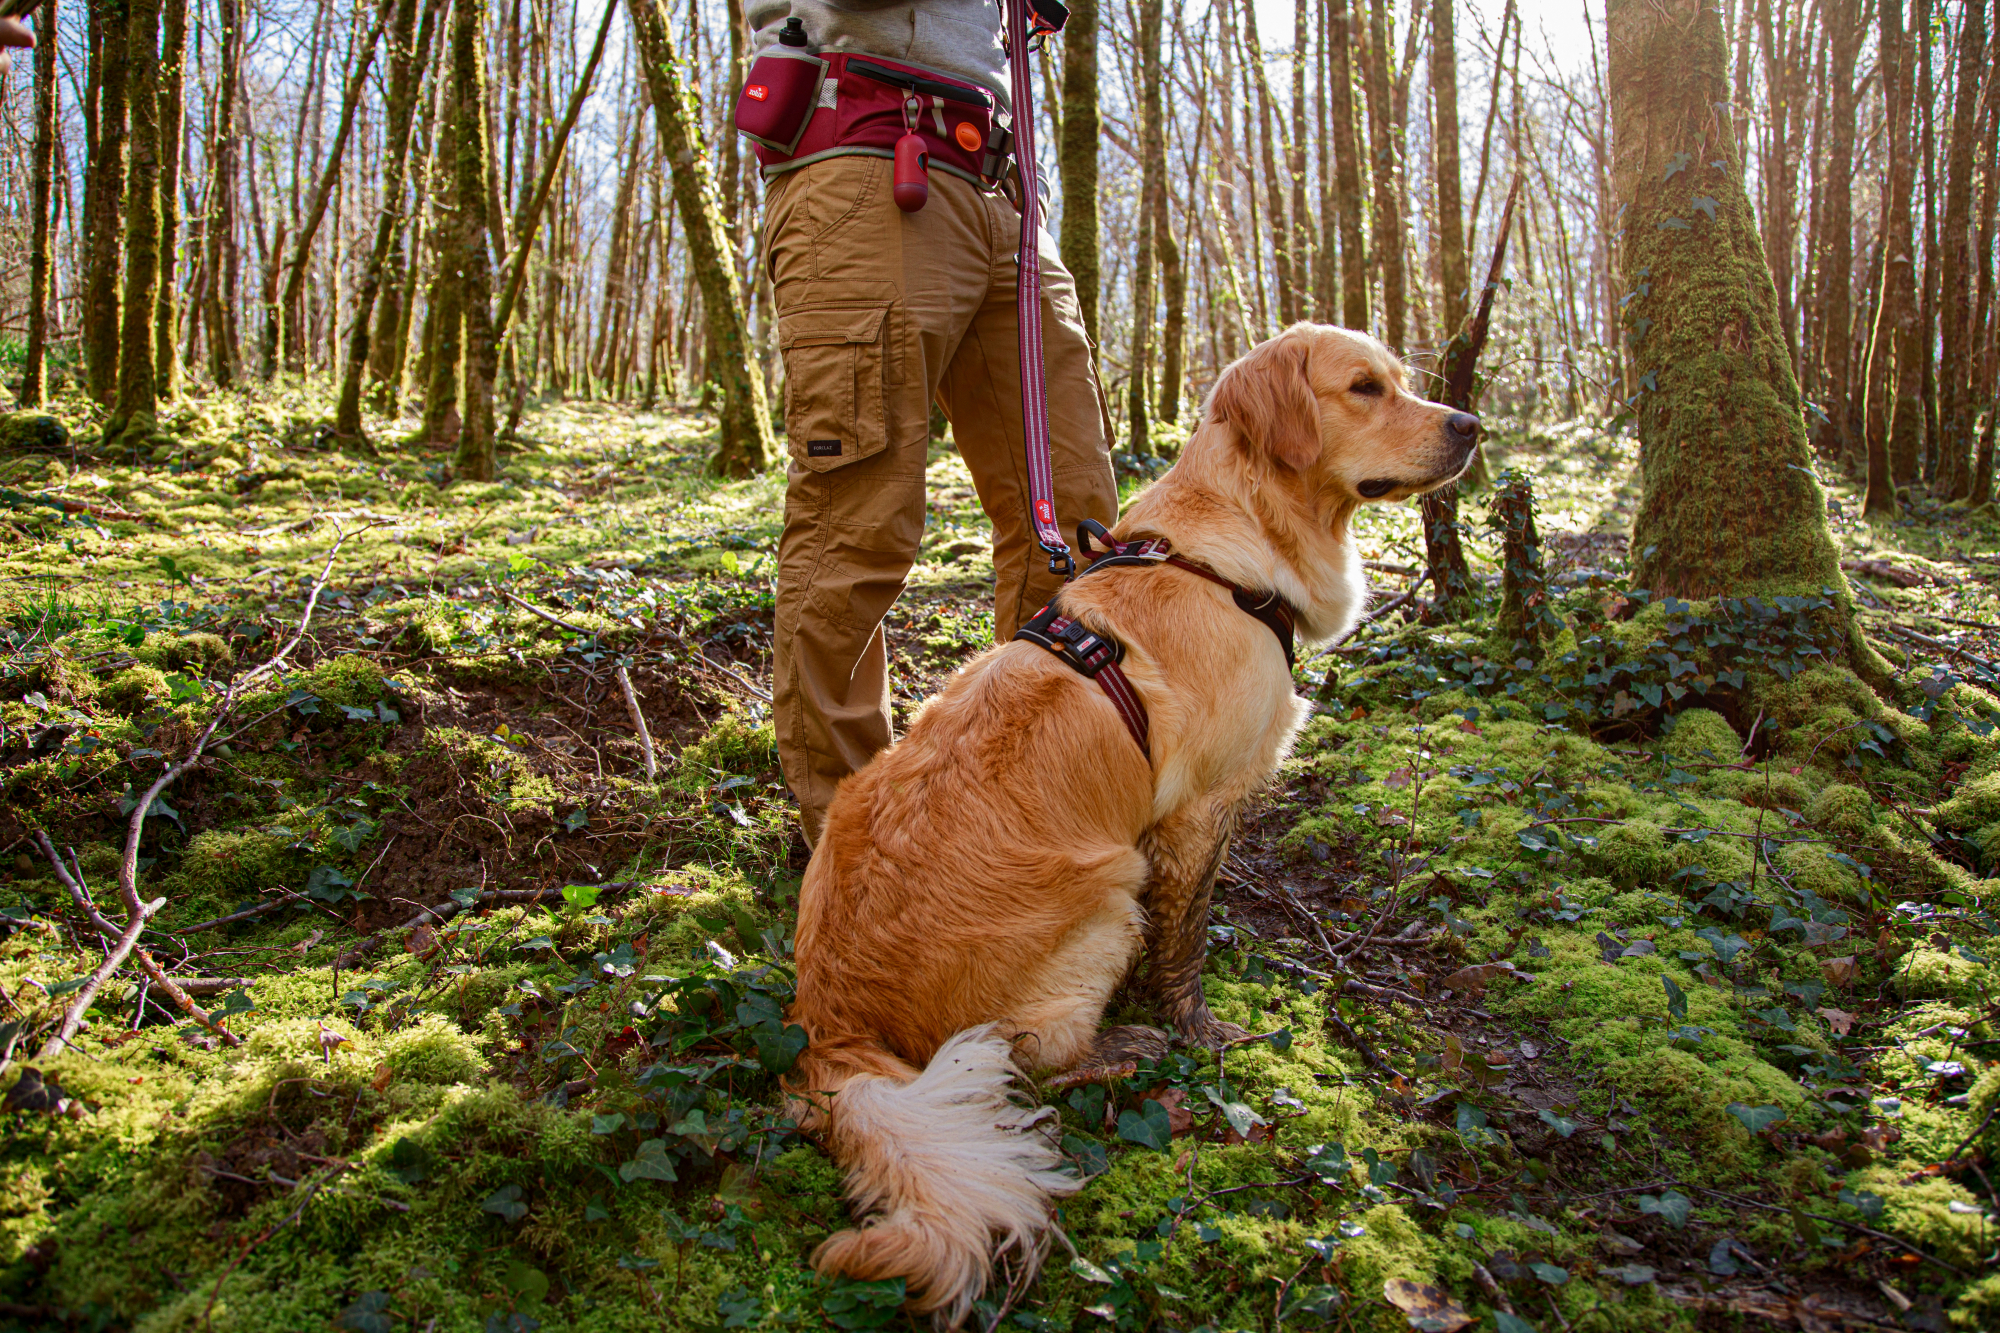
1115 1054
1186 851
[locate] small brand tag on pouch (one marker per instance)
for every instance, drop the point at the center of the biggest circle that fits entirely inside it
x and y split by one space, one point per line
822 448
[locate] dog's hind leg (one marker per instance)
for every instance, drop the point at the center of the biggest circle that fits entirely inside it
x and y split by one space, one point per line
1186 850
1115 1054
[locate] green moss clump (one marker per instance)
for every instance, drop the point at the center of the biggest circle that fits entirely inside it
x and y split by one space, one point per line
433 1050
734 746
134 689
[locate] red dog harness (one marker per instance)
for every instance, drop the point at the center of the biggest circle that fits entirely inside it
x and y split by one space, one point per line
1097 656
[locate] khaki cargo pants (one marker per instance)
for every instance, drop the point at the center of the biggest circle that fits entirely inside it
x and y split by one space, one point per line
879 313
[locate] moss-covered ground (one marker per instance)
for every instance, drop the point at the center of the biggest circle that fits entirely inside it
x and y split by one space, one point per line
1641 977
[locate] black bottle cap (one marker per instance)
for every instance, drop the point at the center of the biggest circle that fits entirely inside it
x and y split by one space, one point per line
793 33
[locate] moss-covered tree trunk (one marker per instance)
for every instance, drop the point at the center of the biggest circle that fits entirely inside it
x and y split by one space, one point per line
1347 166
225 353
1444 151
1837 263
746 444
1152 171
134 417
1274 189
1078 157
1895 308
166 313
1382 149
103 195
41 174
470 150
405 74
1731 505
1955 373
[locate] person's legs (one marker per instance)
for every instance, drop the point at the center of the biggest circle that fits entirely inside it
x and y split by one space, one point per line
981 393
871 302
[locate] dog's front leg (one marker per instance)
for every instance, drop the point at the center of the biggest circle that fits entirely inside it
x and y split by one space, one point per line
1186 850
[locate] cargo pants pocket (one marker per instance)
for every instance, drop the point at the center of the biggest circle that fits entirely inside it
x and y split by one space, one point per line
836 383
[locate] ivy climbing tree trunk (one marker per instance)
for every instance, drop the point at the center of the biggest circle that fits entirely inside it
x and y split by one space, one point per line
1955 373
34 376
746 443
1731 505
1078 157
135 416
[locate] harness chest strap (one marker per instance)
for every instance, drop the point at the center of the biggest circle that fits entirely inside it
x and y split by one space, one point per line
1098 657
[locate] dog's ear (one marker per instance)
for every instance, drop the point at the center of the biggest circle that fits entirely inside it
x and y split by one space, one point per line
1268 397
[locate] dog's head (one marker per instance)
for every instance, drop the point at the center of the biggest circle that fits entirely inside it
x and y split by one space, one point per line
1329 410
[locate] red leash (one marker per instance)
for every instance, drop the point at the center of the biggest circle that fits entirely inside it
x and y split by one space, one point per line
1034 387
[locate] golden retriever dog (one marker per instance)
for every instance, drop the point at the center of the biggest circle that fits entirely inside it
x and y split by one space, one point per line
984 885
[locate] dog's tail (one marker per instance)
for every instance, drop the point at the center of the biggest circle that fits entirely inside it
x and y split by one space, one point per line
952 1169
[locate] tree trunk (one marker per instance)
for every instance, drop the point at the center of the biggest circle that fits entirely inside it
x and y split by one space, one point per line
1152 167
225 354
1955 311
166 315
1836 269
1388 192
1274 191
746 443
103 195
406 47
1444 149
1347 167
1303 259
134 419
1985 353
1923 362
34 377
470 231
1731 505
1894 308
1078 158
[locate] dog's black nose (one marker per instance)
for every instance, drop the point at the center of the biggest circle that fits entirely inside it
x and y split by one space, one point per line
1464 427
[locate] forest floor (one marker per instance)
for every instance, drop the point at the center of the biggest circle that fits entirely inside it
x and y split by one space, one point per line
1640 979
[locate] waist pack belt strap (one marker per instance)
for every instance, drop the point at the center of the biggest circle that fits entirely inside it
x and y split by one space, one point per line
1089 653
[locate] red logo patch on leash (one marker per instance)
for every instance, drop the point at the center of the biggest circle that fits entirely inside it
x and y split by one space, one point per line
1045 511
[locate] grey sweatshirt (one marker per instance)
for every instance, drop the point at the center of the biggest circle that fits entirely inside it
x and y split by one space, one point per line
958 38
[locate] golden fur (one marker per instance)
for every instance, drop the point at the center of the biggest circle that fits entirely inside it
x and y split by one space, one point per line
984 885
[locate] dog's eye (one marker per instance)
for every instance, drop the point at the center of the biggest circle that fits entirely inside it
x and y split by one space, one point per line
1366 388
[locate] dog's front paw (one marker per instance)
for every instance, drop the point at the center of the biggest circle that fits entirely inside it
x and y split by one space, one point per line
1205 1029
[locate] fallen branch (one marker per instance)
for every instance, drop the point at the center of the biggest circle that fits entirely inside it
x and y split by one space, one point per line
1871 1232
695 653
137 912
639 724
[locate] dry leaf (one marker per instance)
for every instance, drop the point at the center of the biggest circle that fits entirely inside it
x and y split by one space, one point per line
1839 1020
1838 971
1428 1309
1397 779
382 1076
1833 1140
309 941
423 941
1475 978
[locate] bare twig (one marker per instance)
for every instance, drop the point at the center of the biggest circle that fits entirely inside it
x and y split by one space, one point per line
639 724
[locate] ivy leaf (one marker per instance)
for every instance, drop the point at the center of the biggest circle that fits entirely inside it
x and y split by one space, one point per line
1148 1126
505 1202
1672 1207
652 1163
1705 204
1756 1119
1550 1274
1676 165
1674 224
854 1304
1559 1124
779 1049
1677 1000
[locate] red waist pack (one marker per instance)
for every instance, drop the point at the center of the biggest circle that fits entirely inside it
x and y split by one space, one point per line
863 105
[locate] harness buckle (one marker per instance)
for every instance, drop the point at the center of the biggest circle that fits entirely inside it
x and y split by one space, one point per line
1085 650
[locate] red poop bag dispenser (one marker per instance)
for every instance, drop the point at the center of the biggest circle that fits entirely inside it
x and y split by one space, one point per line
782 92
912 189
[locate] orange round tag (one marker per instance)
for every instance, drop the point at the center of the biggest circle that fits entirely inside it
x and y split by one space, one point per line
967 135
